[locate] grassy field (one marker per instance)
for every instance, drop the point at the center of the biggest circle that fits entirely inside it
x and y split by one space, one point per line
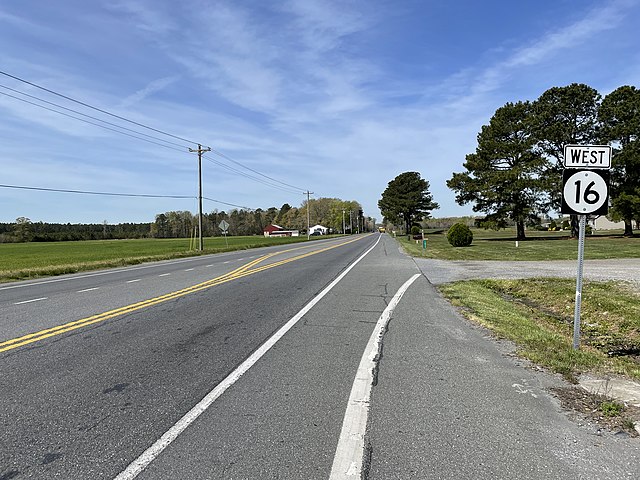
537 314
501 245
31 260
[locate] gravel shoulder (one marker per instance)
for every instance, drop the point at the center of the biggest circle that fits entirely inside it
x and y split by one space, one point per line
444 271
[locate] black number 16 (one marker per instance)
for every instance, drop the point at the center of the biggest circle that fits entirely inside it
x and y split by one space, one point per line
590 196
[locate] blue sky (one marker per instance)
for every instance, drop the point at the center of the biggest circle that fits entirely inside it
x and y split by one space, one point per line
337 97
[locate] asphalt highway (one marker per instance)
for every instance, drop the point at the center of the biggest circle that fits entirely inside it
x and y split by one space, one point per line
245 366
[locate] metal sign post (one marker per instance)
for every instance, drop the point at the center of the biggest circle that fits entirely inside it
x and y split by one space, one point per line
224 226
578 303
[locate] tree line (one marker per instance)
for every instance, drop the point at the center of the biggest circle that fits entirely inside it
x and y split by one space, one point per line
183 224
327 212
516 171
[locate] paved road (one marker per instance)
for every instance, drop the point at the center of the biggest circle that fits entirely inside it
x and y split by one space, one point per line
88 402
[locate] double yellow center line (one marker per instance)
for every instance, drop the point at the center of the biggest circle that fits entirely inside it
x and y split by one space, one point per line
243 271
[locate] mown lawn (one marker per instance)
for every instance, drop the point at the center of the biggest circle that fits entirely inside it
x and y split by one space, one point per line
501 245
30 260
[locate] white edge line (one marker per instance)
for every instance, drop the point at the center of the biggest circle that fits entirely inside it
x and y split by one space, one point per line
189 269
29 301
133 281
347 461
164 274
88 289
151 453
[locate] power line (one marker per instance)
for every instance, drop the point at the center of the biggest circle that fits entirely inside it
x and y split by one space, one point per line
86 192
270 181
246 175
96 108
226 203
92 123
83 114
254 171
112 194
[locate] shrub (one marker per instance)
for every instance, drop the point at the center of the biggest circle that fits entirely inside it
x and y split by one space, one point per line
415 230
459 235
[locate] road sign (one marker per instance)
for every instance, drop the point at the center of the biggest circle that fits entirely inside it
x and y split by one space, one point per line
585 192
224 226
587 157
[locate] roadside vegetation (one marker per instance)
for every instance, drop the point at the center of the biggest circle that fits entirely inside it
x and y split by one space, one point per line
539 245
22 261
537 315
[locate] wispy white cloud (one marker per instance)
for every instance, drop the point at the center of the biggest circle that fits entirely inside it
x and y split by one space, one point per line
551 46
148 17
151 88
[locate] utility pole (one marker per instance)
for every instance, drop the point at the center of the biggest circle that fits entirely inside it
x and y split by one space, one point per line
343 232
350 222
307 193
200 150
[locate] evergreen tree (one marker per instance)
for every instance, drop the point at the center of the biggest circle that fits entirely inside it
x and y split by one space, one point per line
503 177
406 199
564 116
619 117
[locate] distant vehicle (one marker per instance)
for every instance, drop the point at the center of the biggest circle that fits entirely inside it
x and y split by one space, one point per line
315 234
381 229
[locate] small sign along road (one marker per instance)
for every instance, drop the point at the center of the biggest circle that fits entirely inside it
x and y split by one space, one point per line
587 156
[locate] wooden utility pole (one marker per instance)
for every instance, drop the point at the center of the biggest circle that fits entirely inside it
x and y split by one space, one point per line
200 150
307 193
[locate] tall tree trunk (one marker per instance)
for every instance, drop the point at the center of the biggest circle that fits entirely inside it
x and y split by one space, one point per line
575 226
520 230
628 228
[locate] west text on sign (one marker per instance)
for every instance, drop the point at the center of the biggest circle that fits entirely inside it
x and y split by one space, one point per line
587 156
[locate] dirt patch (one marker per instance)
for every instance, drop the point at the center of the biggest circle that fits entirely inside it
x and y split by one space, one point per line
599 409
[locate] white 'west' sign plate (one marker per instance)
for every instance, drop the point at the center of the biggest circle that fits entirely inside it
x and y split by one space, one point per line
587 156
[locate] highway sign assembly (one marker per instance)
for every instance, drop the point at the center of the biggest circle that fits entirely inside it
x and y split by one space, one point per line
224 226
585 191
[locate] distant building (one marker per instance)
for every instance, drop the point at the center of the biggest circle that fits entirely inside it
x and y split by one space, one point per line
318 228
603 223
277 231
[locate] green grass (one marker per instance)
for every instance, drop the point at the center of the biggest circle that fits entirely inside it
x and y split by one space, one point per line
501 245
537 315
611 409
31 260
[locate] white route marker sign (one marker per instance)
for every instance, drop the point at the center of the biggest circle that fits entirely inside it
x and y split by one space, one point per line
585 192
